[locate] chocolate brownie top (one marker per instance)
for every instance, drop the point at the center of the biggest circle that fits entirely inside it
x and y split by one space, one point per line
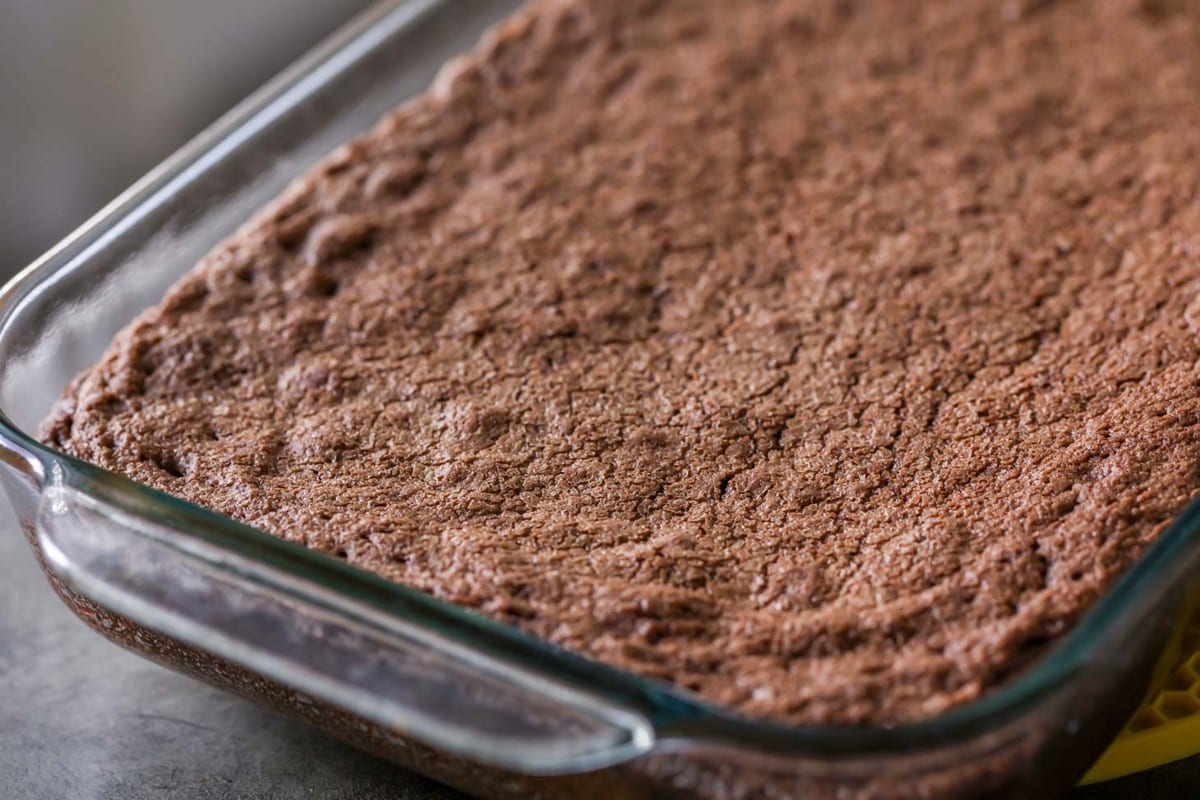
824 358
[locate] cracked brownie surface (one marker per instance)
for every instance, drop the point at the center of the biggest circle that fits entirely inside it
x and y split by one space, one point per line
824 358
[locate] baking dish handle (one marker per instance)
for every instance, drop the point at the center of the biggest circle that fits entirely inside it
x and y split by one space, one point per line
330 647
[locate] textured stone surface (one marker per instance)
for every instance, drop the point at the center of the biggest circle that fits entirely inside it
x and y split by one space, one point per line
824 358
83 719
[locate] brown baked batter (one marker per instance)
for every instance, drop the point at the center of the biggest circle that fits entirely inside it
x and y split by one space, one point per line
825 358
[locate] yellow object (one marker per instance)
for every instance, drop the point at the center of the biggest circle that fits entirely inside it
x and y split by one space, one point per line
1166 727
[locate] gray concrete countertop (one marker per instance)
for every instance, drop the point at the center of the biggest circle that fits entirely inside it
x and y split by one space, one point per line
81 719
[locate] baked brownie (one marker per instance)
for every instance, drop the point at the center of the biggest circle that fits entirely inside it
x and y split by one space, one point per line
825 358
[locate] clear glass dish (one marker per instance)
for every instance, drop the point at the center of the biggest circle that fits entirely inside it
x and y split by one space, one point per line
448 693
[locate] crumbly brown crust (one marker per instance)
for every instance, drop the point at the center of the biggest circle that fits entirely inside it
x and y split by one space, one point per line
825 358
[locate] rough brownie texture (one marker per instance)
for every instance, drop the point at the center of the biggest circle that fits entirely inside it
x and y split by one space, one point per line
825 358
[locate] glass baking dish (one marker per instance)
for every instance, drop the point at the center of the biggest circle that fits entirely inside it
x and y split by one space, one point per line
445 692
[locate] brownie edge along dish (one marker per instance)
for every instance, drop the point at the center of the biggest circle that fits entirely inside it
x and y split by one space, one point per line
826 359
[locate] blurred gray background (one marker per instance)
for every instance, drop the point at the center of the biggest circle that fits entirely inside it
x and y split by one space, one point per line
93 93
